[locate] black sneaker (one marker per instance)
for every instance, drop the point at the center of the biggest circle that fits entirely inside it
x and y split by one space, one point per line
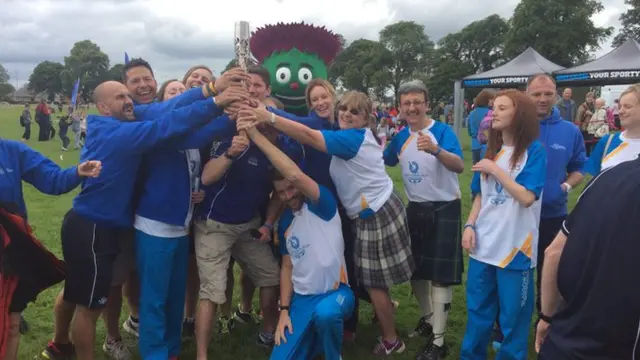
265 341
423 329
432 351
188 327
24 325
251 317
55 351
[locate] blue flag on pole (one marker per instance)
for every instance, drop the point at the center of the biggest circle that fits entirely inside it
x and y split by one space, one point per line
74 94
126 58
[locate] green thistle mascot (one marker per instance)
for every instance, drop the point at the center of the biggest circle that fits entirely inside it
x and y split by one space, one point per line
294 54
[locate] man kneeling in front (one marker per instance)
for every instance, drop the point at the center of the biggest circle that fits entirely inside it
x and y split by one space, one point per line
315 298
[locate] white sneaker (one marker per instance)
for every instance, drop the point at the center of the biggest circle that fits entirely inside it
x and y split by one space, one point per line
117 350
131 327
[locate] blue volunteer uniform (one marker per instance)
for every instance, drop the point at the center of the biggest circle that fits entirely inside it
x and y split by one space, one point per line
162 221
19 162
500 275
157 109
242 192
612 150
104 207
564 145
475 118
321 299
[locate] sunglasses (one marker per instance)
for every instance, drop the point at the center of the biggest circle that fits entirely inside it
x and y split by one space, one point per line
353 112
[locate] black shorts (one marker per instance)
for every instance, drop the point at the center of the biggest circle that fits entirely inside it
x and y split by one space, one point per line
89 251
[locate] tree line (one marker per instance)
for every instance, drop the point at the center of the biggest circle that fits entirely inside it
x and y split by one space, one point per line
561 31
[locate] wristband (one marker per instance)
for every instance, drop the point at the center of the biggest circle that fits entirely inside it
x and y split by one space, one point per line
437 151
211 89
272 119
473 227
544 317
284 308
568 187
229 156
268 226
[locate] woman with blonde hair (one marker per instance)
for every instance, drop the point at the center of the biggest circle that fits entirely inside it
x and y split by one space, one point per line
614 149
382 250
197 76
501 233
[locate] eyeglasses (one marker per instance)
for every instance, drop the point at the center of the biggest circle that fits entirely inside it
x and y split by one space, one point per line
353 112
415 103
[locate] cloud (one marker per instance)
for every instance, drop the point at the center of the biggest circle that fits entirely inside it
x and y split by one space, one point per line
173 35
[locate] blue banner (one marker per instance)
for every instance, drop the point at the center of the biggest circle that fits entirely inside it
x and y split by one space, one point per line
74 94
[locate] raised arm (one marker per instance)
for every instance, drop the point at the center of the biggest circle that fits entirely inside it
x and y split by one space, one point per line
297 131
222 159
143 135
154 110
220 127
310 121
285 165
44 174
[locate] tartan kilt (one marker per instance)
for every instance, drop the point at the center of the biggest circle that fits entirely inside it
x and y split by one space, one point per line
436 241
382 251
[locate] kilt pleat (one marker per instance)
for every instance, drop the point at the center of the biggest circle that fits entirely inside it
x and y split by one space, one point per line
436 235
382 254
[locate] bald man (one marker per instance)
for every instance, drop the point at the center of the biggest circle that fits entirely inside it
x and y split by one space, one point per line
104 209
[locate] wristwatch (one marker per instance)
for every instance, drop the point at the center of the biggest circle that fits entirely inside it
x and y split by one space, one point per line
272 119
544 317
284 308
229 156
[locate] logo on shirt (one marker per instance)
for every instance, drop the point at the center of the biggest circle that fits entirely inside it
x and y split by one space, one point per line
558 147
498 198
253 161
214 148
413 176
295 250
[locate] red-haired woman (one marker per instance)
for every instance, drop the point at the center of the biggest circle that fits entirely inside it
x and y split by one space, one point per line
501 233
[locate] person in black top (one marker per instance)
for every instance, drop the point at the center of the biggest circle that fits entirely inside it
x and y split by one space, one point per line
590 292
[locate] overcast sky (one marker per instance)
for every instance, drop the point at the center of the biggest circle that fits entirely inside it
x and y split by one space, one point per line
175 34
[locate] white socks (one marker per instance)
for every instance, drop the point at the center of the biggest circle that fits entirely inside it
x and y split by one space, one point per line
422 291
442 297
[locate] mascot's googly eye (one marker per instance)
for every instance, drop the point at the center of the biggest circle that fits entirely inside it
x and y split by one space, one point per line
283 75
304 75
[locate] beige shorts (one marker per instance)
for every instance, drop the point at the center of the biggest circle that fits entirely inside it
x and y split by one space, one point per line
216 242
125 263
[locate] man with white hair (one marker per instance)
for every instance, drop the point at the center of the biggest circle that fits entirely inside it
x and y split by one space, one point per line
430 157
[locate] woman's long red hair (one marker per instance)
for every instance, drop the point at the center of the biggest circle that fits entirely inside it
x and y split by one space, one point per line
525 127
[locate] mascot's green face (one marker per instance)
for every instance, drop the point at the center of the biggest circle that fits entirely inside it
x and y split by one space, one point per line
291 71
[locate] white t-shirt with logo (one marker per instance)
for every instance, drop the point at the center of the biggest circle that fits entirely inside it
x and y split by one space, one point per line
313 239
425 178
506 231
358 171
620 149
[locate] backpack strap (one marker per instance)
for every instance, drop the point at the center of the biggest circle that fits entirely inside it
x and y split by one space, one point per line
606 147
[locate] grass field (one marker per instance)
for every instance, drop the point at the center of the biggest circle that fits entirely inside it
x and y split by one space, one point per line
46 212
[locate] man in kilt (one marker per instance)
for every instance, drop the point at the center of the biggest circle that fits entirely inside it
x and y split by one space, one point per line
430 156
